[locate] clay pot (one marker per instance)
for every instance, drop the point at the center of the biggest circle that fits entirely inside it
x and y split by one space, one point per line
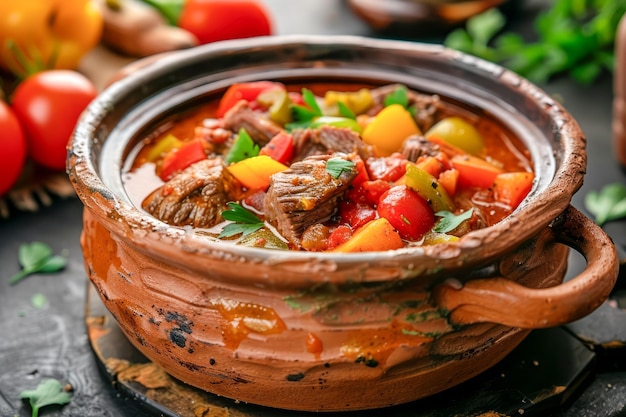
325 331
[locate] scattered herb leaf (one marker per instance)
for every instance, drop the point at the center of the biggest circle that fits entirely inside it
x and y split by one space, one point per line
449 221
607 204
38 300
48 392
335 167
575 37
37 257
244 221
398 96
243 148
304 115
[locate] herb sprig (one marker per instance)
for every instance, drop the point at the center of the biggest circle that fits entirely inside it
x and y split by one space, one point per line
573 36
607 204
449 221
37 257
305 115
244 221
335 167
48 392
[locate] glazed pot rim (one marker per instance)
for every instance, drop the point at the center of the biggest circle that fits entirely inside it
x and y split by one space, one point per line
549 197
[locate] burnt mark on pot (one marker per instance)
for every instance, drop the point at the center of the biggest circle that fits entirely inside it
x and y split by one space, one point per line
295 377
182 328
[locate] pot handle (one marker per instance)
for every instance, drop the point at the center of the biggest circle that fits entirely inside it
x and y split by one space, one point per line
503 301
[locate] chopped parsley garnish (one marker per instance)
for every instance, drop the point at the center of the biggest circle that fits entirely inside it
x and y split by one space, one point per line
244 221
449 221
243 148
400 96
345 111
304 115
336 167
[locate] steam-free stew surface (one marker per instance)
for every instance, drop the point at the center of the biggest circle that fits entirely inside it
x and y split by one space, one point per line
330 167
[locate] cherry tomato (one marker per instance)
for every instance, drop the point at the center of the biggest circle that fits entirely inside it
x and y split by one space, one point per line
48 105
216 20
407 212
356 214
13 148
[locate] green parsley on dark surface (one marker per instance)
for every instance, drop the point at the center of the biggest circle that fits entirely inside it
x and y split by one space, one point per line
575 37
244 221
37 257
336 167
607 204
449 221
243 148
48 392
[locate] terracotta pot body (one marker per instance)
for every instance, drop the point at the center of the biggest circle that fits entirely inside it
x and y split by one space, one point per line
324 331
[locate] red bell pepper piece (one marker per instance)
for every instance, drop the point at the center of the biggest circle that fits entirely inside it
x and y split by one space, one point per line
244 91
279 148
356 214
180 158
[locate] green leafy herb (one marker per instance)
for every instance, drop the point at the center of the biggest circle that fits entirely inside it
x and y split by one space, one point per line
335 167
608 204
169 9
48 392
245 222
37 257
345 111
304 115
575 37
449 221
243 148
400 96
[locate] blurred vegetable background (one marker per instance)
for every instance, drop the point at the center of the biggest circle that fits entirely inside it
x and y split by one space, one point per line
575 37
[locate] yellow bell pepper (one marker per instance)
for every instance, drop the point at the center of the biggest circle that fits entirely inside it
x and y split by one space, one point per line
458 132
428 188
48 33
390 128
254 173
356 101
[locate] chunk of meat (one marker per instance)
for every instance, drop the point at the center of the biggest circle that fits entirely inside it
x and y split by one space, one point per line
305 194
428 106
416 146
195 197
259 127
326 140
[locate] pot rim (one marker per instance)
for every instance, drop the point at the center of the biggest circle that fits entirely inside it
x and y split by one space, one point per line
549 197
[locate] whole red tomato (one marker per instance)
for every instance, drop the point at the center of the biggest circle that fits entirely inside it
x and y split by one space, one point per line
13 148
48 105
216 20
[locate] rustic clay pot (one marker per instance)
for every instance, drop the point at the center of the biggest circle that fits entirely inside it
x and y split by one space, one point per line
326 331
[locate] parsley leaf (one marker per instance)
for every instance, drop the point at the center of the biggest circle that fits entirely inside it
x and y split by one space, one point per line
37 257
244 221
304 115
48 392
607 204
345 111
574 37
243 148
449 221
335 167
398 96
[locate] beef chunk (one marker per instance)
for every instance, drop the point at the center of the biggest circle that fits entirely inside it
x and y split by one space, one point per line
428 106
195 197
259 127
326 140
305 194
416 146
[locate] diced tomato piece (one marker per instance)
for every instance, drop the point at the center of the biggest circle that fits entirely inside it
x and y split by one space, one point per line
512 187
389 168
368 192
362 174
341 234
474 171
279 148
180 158
356 214
244 91
407 212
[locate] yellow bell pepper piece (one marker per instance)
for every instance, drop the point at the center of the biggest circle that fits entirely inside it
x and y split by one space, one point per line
390 128
254 173
357 101
49 33
377 235
458 132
